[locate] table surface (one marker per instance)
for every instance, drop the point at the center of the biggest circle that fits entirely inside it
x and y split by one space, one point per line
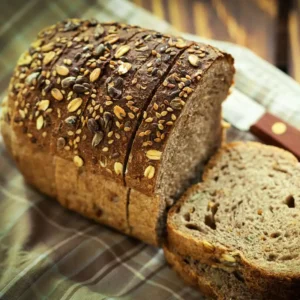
271 28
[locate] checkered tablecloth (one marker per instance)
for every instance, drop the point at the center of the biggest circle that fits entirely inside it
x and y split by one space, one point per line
47 252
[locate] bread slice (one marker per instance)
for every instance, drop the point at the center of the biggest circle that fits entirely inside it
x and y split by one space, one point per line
212 282
244 218
181 127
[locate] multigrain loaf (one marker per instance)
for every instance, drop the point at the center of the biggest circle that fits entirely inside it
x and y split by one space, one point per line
76 113
244 219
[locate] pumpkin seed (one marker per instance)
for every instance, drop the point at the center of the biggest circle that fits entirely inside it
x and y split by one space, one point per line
154 154
78 161
48 47
119 112
39 122
25 59
118 167
48 57
149 172
95 74
122 50
124 68
56 94
208 246
194 60
43 105
62 70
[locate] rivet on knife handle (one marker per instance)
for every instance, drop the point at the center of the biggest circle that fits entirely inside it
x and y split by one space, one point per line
274 131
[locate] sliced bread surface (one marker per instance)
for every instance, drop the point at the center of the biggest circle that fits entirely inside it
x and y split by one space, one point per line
244 218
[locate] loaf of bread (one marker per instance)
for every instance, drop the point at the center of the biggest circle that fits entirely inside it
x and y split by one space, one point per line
114 121
237 233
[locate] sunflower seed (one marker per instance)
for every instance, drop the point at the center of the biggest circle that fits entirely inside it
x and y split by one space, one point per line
176 103
93 125
174 94
114 92
79 88
103 161
67 82
98 136
99 50
107 117
99 30
71 25
30 78
71 120
142 49
61 143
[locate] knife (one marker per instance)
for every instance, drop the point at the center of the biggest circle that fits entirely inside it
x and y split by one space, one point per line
247 115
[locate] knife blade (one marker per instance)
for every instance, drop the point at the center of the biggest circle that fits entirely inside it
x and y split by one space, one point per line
247 115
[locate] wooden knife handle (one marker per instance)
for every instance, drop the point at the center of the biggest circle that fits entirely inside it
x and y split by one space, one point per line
274 131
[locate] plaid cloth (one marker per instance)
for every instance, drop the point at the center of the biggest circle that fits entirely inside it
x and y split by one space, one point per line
47 252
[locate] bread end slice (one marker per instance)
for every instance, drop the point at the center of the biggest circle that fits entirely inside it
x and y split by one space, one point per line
244 217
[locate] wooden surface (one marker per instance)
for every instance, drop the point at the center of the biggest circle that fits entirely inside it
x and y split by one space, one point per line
271 28
294 40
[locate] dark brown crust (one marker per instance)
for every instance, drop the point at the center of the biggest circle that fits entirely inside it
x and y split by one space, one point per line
87 63
257 278
111 162
161 115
